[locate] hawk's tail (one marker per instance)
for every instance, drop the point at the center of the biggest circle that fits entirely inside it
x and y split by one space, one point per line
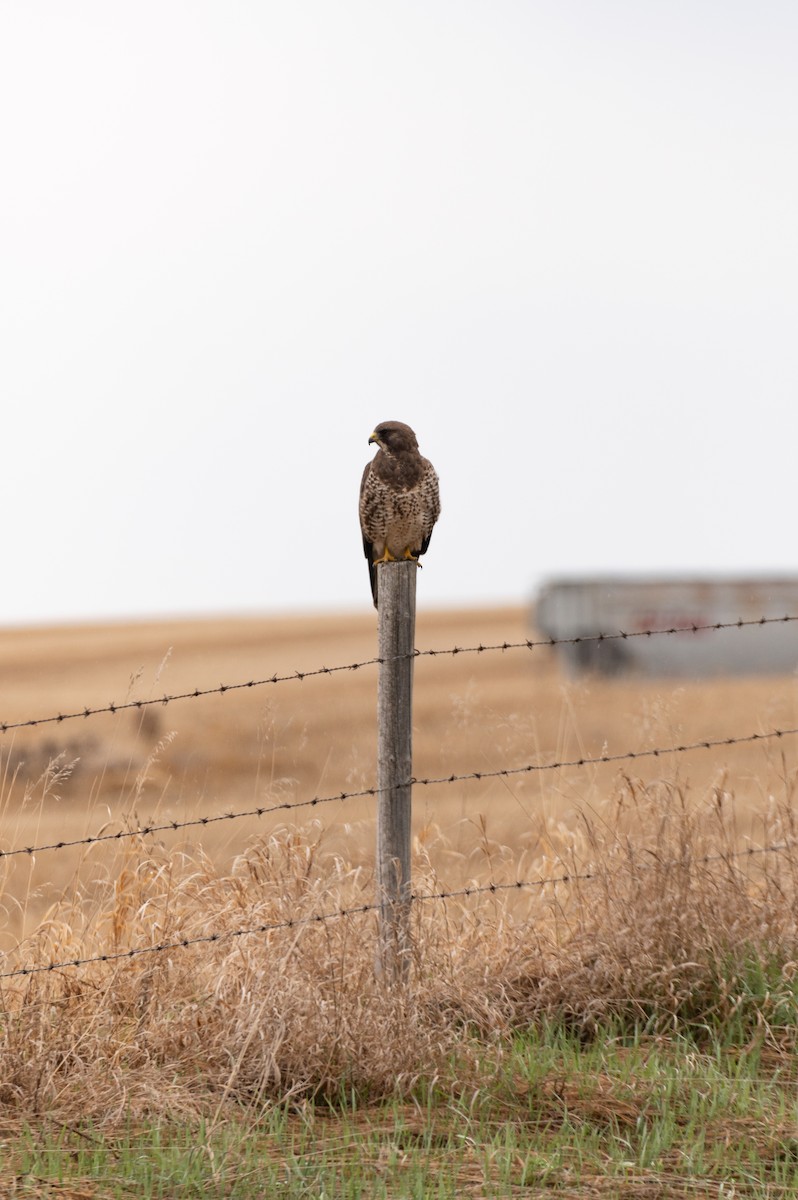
373 573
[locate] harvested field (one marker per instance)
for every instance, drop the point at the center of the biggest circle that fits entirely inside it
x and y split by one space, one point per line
296 740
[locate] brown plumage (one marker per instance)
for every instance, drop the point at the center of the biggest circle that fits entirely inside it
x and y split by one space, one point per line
399 499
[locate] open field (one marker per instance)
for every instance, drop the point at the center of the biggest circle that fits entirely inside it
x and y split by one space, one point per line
297 740
627 1030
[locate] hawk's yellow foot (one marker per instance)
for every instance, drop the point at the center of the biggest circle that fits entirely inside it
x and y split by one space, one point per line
386 557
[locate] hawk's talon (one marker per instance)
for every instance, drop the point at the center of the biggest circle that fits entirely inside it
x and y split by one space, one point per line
407 556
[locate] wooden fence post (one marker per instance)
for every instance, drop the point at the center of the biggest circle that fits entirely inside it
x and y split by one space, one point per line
396 642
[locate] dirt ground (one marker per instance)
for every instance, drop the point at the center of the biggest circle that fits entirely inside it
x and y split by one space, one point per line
296 740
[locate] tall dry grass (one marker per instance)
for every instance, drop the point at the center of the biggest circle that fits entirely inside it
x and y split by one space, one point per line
662 922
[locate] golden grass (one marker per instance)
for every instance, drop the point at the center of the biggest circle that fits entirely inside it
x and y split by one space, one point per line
660 919
652 929
298 740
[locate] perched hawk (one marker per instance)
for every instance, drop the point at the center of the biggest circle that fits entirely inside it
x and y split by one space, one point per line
399 499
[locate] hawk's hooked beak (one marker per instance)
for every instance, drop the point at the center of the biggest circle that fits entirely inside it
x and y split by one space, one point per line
373 438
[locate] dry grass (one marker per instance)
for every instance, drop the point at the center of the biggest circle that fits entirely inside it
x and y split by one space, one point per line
661 923
657 936
317 738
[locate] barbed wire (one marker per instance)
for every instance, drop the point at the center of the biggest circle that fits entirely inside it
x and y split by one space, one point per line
194 694
620 635
627 756
221 689
182 943
428 781
191 822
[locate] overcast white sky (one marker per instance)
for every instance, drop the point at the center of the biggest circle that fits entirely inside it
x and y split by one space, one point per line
558 237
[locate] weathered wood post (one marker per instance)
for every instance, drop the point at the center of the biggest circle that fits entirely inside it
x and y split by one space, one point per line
396 642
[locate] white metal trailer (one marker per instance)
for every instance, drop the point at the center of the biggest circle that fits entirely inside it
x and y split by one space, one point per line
588 607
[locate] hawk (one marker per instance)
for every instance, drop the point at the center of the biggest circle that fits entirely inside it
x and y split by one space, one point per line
399 499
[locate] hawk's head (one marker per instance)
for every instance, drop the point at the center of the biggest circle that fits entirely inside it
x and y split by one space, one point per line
394 437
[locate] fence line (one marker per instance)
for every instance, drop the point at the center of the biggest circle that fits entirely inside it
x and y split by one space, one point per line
359 909
580 762
195 694
192 822
339 797
621 635
453 651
